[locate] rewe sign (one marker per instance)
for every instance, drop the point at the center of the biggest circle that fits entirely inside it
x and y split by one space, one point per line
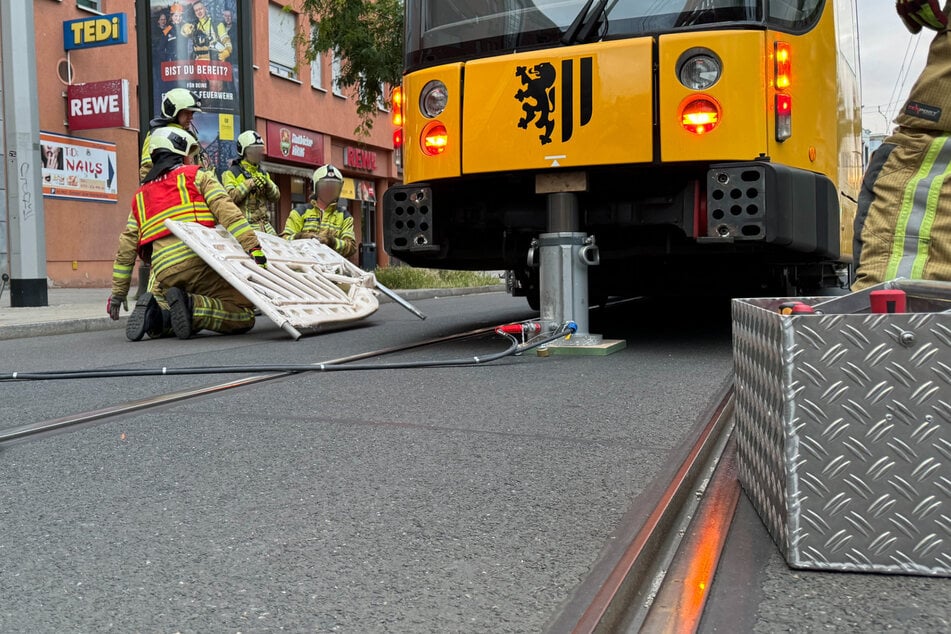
101 104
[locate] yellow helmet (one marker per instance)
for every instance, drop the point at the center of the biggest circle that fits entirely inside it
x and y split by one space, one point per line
174 140
249 138
327 173
177 100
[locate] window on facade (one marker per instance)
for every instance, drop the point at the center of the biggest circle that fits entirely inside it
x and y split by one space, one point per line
316 67
335 76
281 48
92 5
381 100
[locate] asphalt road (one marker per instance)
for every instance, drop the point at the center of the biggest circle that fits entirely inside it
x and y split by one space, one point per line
466 499
463 499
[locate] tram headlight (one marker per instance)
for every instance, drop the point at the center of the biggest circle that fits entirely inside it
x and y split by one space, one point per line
699 72
433 99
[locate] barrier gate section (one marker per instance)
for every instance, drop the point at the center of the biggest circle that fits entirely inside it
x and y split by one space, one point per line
843 423
304 289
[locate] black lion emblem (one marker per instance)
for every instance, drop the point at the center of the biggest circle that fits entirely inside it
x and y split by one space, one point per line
538 98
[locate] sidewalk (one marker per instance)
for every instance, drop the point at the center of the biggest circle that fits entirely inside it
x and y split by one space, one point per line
73 310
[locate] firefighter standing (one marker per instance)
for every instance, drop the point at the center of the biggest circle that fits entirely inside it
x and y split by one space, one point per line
209 41
198 298
323 220
903 224
249 186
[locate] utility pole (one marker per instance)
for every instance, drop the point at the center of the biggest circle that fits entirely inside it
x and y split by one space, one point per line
21 132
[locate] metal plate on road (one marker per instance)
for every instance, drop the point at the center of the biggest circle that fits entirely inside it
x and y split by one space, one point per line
306 288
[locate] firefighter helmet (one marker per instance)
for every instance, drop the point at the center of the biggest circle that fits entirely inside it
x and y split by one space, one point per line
249 138
174 140
327 173
178 99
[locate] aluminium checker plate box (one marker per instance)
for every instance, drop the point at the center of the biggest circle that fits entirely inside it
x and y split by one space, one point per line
843 426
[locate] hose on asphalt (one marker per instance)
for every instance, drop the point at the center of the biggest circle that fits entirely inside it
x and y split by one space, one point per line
514 348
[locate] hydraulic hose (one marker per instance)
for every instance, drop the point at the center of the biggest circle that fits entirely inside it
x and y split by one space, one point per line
515 348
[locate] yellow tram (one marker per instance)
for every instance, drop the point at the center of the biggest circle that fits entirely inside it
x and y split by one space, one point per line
719 140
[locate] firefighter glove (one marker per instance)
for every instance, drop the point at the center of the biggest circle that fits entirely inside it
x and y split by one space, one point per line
306 235
326 236
922 13
112 306
259 258
261 180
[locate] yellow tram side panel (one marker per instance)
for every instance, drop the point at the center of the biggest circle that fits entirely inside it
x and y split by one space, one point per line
418 166
740 92
826 118
593 104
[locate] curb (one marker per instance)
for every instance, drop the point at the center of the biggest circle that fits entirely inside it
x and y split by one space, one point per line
43 329
93 324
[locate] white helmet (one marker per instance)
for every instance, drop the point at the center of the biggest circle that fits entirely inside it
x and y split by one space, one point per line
178 99
174 140
249 138
327 173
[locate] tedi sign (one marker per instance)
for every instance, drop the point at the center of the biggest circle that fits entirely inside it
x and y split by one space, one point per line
95 31
101 104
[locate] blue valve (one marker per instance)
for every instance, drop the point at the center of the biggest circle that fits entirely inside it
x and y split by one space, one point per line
572 326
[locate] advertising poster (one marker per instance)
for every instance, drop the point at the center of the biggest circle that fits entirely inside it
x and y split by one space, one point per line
196 45
80 169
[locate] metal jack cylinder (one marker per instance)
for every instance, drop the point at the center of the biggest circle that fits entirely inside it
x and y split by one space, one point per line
564 255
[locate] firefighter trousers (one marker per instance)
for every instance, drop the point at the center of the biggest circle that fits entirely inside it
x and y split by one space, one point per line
216 305
903 224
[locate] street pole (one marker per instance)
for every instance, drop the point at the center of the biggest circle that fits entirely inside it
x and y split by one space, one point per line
21 131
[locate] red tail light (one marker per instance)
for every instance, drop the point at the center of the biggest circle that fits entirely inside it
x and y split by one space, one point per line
434 138
700 115
398 138
783 116
782 82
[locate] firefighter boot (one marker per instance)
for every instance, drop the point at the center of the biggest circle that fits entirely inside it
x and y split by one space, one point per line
145 317
180 309
162 327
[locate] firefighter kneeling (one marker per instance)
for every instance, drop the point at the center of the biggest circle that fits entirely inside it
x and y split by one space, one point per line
198 298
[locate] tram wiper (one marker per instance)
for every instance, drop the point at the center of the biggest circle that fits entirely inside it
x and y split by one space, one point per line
584 23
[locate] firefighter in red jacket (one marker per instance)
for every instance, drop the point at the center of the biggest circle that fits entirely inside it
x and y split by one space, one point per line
198 298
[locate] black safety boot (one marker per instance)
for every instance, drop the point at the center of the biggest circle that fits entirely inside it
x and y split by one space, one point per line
180 309
161 326
143 318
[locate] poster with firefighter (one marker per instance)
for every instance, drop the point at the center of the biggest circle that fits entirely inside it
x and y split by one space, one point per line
195 44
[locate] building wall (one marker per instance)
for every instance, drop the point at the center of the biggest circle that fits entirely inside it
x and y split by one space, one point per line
296 102
81 236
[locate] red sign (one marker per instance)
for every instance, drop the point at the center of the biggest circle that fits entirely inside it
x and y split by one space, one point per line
101 104
198 69
357 158
288 143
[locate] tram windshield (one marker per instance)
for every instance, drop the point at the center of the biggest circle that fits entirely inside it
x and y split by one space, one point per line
440 31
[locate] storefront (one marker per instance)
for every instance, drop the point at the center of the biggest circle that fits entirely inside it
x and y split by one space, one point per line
291 155
364 170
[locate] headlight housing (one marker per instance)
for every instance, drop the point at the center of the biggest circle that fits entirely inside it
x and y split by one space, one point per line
433 98
699 72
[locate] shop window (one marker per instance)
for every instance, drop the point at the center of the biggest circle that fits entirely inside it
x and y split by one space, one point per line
281 48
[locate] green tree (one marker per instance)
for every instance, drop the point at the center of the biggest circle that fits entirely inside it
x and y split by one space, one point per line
368 36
